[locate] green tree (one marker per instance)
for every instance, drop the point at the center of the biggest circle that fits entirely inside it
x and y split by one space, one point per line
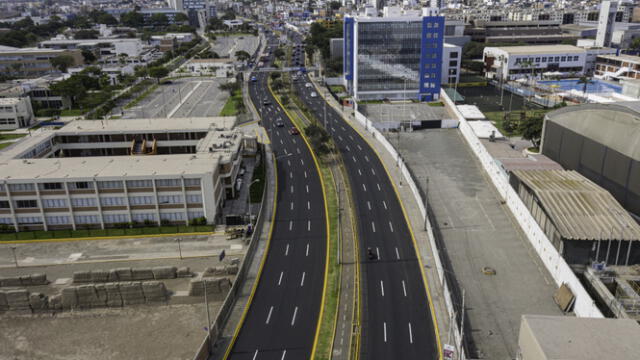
335 5
180 18
159 20
86 34
531 129
132 19
62 62
230 87
242 55
279 53
102 17
158 72
71 88
585 81
89 56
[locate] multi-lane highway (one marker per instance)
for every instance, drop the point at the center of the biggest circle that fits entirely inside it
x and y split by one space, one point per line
397 319
281 320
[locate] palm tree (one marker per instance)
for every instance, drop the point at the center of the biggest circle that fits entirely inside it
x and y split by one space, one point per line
585 80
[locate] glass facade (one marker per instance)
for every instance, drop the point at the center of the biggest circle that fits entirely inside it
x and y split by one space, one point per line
388 57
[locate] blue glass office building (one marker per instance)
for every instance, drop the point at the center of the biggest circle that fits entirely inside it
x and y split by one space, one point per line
393 58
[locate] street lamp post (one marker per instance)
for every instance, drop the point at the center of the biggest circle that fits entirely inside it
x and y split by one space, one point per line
15 258
179 248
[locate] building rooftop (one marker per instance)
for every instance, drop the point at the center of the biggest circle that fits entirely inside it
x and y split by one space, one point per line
9 49
622 57
541 49
145 125
572 338
580 209
9 101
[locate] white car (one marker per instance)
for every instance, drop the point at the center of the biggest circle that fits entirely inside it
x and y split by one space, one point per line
313 94
308 85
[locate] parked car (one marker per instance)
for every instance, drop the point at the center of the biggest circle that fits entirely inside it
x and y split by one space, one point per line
294 131
314 94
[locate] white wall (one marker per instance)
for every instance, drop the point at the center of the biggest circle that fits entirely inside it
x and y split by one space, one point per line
447 50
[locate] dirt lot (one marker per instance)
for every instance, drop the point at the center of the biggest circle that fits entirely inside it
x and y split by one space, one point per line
171 332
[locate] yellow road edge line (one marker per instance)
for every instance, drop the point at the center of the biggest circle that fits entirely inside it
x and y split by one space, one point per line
413 238
324 196
262 262
119 237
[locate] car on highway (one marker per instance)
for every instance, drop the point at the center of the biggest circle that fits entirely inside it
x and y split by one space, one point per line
314 94
254 79
280 123
266 102
294 131
308 85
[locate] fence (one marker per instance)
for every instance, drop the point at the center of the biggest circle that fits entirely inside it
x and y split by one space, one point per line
204 352
558 268
453 308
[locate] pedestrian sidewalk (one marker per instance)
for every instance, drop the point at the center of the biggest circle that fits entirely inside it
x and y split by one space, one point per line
411 206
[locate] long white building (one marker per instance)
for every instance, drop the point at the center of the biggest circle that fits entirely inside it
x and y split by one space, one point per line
99 174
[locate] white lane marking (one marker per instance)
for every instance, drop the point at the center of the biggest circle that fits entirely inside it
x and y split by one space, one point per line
397 254
292 189
293 320
284 353
255 355
384 203
294 141
359 172
286 251
290 225
269 316
340 137
373 226
410 334
343 129
308 225
378 187
292 205
280 280
305 174
373 171
366 158
369 205
301 161
281 142
333 129
348 148
359 147
354 159
288 162
291 174
382 287
307 188
308 205
298 150
391 226
385 331
302 280
404 289
364 187
307 252
378 252
350 137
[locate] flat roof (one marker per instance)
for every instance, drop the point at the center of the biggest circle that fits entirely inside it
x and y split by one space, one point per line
573 338
145 125
580 209
10 101
540 49
622 57
470 112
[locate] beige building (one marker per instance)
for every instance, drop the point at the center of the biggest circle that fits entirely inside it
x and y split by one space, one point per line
15 112
610 67
32 62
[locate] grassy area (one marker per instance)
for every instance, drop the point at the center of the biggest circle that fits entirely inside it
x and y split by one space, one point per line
72 112
4 145
61 234
330 306
436 104
337 89
256 189
234 104
10 136
500 121
141 97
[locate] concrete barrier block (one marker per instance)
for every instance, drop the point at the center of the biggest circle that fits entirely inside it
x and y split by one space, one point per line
131 293
18 299
3 301
55 302
10 281
69 298
86 296
99 275
232 269
225 285
38 301
101 296
142 274
184 272
164 272
114 299
113 275
25 280
39 279
82 277
124 274
154 291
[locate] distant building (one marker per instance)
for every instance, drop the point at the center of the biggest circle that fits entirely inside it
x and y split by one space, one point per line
530 32
606 21
32 62
15 113
99 174
35 89
169 13
394 57
102 47
513 62
612 67
602 142
451 59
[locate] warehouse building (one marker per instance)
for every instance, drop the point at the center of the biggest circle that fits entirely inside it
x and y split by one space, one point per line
600 141
582 220
98 174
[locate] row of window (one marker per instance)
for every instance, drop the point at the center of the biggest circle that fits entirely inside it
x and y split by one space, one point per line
83 185
95 219
4 121
108 201
545 59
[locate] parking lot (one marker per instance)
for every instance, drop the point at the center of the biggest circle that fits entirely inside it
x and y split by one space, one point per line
227 46
189 97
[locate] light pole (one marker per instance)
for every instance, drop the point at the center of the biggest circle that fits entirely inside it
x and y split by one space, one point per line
15 258
179 248
249 198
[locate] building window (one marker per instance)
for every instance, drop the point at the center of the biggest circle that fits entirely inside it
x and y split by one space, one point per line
576 58
6 221
141 200
26 204
112 201
192 182
453 63
83 202
194 199
52 186
4 204
54 203
139 183
81 185
87 219
537 60
168 182
563 58
21 187
453 55
110 185
143 217
544 59
172 216
115 218
170 199
58 220
29 220
195 214
557 58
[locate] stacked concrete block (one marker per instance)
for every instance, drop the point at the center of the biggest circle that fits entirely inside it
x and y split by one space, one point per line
24 280
88 297
217 289
55 302
99 276
124 274
114 299
38 301
184 272
82 276
18 299
69 298
4 305
142 274
131 293
39 279
164 272
113 275
232 269
154 291
10 281
101 296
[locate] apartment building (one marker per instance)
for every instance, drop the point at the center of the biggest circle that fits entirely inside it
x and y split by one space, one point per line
611 67
98 174
32 62
394 57
514 62
451 59
15 113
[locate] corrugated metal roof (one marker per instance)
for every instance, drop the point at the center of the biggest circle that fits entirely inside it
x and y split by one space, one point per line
580 209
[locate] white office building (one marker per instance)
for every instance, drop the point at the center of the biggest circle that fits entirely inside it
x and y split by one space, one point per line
515 62
15 112
98 174
451 59
606 22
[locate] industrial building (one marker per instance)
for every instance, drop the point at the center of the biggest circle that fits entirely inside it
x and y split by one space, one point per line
398 56
98 174
600 141
582 220
514 62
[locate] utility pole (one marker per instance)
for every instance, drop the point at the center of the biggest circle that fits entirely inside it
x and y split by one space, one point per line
179 248
15 258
